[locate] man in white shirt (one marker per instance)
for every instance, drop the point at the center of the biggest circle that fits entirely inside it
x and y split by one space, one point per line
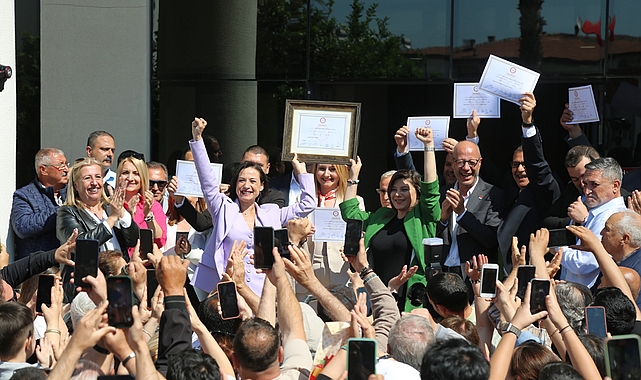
102 146
602 187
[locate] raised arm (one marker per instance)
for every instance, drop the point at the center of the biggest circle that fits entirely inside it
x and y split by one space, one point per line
208 181
402 155
307 202
425 135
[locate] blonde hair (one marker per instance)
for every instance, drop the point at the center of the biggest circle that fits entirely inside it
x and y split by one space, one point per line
73 198
143 172
343 175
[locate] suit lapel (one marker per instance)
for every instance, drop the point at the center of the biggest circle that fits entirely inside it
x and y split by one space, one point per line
476 197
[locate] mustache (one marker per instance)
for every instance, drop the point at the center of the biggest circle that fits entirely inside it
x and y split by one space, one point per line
107 159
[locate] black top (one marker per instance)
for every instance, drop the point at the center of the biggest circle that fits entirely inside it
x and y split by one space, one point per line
389 250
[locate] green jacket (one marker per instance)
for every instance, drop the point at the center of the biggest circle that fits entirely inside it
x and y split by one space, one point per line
419 223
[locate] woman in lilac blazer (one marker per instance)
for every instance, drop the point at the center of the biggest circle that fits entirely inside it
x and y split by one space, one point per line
234 219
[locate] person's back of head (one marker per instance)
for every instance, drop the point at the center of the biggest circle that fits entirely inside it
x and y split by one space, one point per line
192 365
343 293
16 327
573 298
448 290
222 330
86 370
454 359
462 326
409 339
559 371
256 346
528 359
28 373
595 347
619 310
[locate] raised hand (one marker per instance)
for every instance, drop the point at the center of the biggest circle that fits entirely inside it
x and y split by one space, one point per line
518 255
63 253
634 201
472 125
566 117
577 211
449 144
589 241
425 135
401 137
455 199
355 168
148 202
117 202
197 128
299 167
397 281
528 103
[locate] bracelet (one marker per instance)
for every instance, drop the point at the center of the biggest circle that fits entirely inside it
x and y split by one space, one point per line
365 270
363 275
475 281
128 358
429 148
53 331
101 350
147 332
528 125
149 218
353 181
554 332
344 347
564 329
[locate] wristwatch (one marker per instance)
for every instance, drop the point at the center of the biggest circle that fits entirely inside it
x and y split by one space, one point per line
510 328
149 218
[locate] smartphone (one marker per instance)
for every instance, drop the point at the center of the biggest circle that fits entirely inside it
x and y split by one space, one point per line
115 377
120 297
489 277
368 302
45 283
524 274
152 285
353 233
263 246
595 321
361 358
181 233
561 237
86 259
146 242
228 300
623 357
281 241
540 289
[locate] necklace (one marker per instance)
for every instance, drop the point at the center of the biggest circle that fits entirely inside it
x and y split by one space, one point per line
246 212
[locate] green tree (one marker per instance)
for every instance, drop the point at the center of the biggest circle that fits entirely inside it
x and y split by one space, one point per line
531 22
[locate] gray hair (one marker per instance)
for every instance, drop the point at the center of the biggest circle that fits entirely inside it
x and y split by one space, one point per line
387 174
409 339
573 298
608 166
630 224
43 156
158 165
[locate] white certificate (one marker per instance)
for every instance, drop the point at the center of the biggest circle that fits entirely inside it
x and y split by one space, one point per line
582 105
440 128
507 80
329 225
188 182
321 132
468 97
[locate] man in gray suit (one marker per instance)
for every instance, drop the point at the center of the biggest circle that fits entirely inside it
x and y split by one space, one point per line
471 212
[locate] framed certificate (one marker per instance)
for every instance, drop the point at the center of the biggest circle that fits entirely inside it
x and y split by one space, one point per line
321 132
188 182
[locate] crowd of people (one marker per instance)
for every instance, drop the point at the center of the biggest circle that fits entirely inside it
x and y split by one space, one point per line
424 311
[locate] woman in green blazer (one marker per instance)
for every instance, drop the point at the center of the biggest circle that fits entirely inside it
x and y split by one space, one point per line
394 237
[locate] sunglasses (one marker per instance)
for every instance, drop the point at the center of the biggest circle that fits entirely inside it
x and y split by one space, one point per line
161 184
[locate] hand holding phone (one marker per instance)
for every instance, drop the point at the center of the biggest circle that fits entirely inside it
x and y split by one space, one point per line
263 246
146 243
595 321
353 233
87 251
361 358
623 357
540 290
525 273
45 284
228 300
281 241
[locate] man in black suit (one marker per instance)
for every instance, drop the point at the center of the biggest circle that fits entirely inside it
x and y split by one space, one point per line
538 189
470 213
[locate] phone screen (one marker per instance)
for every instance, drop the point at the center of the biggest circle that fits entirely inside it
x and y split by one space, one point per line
623 358
489 277
86 261
525 273
595 317
353 233
45 283
146 242
263 245
281 241
152 285
540 289
120 296
228 300
361 358
561 237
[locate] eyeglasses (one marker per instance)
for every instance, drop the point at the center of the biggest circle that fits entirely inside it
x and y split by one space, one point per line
381 191
516 164
461 163
161 184
59 166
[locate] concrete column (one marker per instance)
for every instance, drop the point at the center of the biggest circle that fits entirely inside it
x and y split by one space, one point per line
7 119
206 65
96 62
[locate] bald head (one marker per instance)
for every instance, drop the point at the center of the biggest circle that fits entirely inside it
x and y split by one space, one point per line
631 277
466 160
